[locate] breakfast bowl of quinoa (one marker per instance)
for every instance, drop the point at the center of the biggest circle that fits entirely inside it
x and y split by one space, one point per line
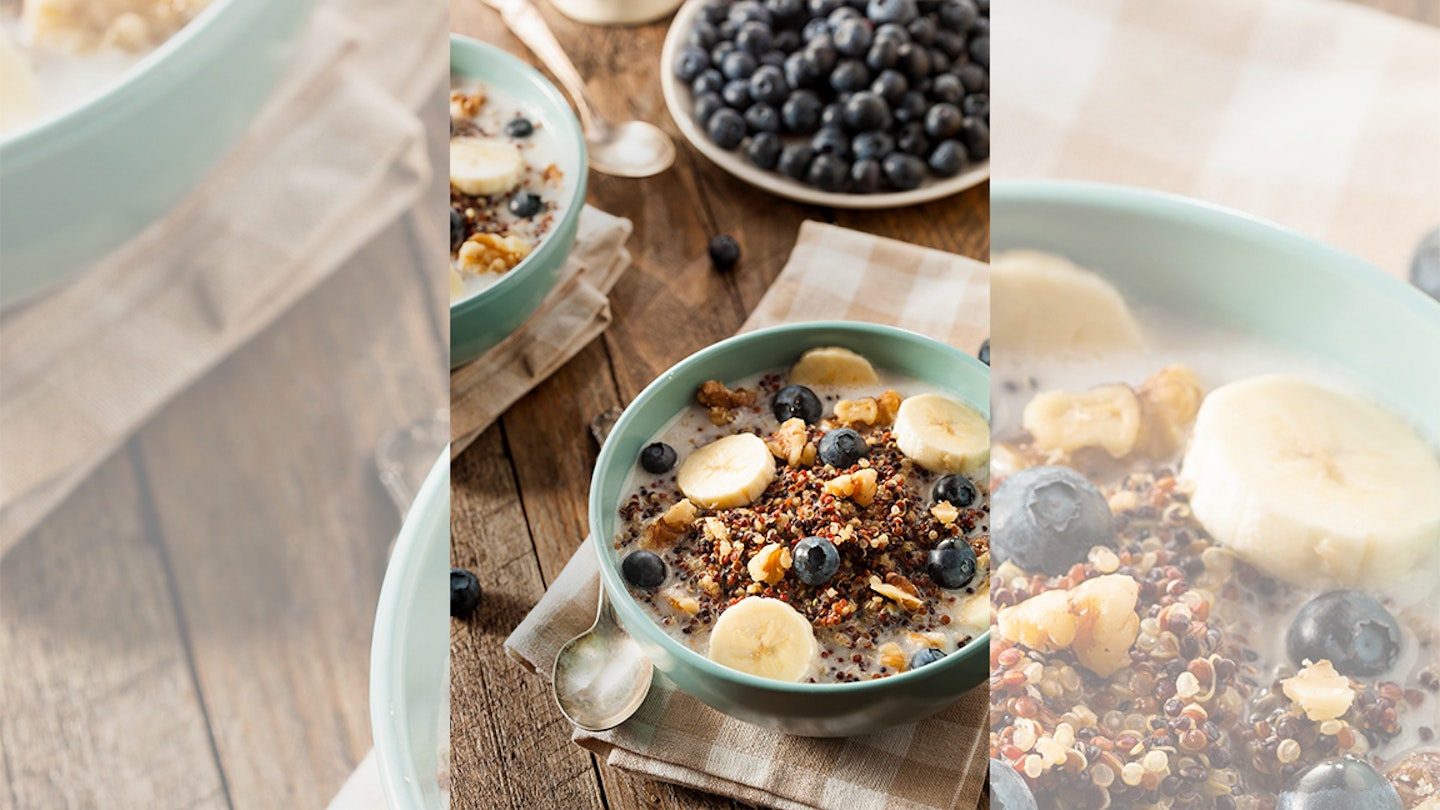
517 186
793 524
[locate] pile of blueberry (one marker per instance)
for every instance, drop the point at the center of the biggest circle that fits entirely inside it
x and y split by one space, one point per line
856 96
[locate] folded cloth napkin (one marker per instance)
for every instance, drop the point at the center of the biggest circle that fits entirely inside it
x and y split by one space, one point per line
940 762
1320 115
576 311
148 321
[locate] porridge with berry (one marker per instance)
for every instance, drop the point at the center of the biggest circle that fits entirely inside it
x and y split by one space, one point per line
506 185
1214 580
822 523
54 53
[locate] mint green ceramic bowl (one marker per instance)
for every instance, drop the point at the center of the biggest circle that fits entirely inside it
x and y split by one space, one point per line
410 652
482 320
818 710
76 185
1232 269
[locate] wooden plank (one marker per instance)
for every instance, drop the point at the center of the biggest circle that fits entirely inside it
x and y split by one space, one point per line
98 705
510 747
267 497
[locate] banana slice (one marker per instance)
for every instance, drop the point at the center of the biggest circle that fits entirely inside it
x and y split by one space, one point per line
1313 486
482 167
1044 303
832 365
764 637
19 96
944 435
728 472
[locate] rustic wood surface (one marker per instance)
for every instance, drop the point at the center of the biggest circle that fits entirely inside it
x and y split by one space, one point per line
518 508
192 629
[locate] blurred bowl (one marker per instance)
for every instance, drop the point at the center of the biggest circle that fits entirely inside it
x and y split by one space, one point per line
483 319
410 653
78 184
1232 269
818 710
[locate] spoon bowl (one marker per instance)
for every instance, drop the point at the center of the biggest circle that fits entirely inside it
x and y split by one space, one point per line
631 149
601 676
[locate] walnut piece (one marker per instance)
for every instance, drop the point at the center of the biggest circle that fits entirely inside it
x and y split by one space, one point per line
859 486
663 532
896 594
1097 620
770 564
1322 692
791 443
491 253
722 401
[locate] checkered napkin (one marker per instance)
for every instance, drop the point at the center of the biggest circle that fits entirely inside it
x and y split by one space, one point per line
575 313
1319 115
88 365
939 762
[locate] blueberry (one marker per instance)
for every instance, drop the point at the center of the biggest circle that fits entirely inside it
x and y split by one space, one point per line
795 160
786 10
522 127
1008 789
823 8
798 71
709 81
976 137
787 41
956 489
841 15
768 85
980 50
883 54
853 37
703 35
763 148
736 94
922 30
797 401
892 86
457 230
872 145
939 62
722 49
746 10
952 43
657 457
815 29
815 560
951 565
903 171
865 176
948 159
726 128
914 60
525 204
925 657
464 593
958 15
714 11
1340 784
763 118
831 141
891 11
738 65
801 112
828 172
1046 519
973 78
892 32
821 55
691 62
976 105
849 76
1349 628
706 105
865 111
833 116
947 88
754 36
842 447
984 354
911 139
724 252
911 108
643 569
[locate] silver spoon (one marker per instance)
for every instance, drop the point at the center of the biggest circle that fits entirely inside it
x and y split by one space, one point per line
601 677
626 149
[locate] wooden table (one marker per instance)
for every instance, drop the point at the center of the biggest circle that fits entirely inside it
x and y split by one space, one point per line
148 660
519 494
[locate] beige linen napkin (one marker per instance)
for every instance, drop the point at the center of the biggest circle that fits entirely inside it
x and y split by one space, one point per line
940 762
85 367
575 313
1317 114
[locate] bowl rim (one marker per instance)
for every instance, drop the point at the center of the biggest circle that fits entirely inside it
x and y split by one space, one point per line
48 132
575 202
1148 202
404 576
732 163
610 578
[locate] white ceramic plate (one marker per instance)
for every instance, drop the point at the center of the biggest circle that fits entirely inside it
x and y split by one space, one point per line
410 655
681 101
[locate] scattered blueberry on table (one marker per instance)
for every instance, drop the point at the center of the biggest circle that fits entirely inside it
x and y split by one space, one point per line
464 593
853 96
724 252
657 457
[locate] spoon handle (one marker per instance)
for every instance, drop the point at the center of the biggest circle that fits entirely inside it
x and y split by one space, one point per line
526 23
